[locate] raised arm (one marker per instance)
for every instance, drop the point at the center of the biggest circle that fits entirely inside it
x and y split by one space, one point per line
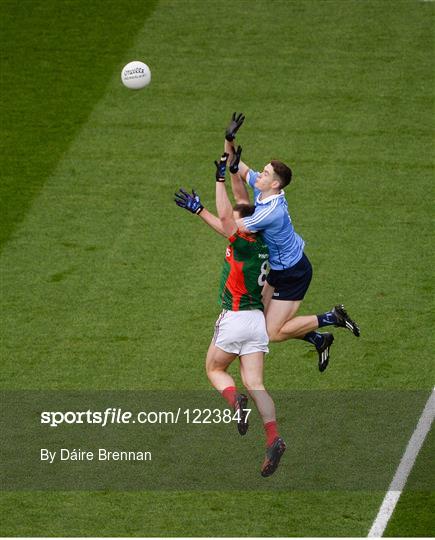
230 135
223 204
192 203
212 221
240 191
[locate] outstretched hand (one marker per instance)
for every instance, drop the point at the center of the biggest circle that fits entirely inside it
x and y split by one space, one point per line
234 163
234 126
188 201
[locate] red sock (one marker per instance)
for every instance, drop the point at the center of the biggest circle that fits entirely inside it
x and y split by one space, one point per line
229 393
271 432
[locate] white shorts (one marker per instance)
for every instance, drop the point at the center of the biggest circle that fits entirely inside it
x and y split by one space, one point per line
241 332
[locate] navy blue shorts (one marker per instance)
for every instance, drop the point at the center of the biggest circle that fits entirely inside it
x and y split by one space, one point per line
291 283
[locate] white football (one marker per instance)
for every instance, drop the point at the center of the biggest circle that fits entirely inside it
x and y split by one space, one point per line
135 75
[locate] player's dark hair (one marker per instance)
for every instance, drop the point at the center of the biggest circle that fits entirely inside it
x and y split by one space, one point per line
245 210
283 173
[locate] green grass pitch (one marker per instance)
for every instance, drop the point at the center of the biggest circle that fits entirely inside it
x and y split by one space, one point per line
105 284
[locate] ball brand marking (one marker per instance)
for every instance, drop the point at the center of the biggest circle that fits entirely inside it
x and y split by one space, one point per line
132 71
136 73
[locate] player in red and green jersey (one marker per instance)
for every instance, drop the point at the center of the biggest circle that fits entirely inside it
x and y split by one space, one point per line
240 330
244 270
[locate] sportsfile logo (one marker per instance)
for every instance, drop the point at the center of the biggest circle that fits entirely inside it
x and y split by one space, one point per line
111 415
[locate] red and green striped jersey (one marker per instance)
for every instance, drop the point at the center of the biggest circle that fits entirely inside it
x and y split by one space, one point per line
244 273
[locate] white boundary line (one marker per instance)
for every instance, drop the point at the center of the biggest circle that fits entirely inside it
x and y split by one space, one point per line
405 466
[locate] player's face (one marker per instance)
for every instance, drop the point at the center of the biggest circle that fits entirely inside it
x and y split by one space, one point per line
266 180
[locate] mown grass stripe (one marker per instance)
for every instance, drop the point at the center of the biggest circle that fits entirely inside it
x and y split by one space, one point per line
56 61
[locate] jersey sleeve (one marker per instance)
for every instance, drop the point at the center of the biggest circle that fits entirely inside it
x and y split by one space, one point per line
252 177
261 218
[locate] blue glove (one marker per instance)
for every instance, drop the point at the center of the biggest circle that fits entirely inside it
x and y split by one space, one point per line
190 202
221 168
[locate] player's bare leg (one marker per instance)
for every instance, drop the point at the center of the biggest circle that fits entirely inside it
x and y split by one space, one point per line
216 364
251 371
266 295
279 313
282 325
299 326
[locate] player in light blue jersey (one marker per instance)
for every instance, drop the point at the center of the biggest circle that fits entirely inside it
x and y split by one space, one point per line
290 270
271 216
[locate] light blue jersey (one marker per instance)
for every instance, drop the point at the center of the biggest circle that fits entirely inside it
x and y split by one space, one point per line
272 219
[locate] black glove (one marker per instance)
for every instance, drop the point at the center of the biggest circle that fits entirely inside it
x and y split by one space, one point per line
234 164
234 126
190 202
221 168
